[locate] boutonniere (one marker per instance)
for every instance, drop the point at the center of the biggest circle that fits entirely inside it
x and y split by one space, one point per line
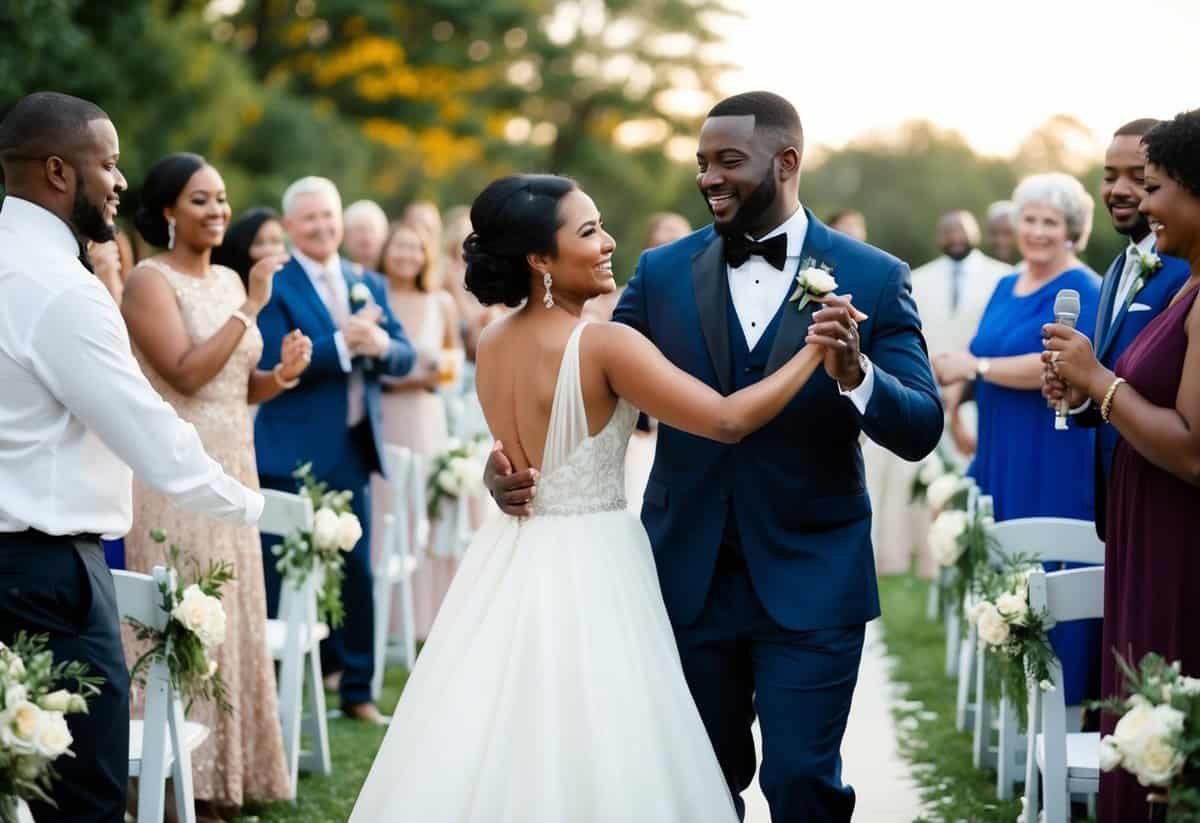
1148 264
813 280
360 295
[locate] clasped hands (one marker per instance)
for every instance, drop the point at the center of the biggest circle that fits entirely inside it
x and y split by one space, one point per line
363 334
835 326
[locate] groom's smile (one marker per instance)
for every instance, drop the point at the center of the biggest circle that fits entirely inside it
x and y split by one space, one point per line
737 176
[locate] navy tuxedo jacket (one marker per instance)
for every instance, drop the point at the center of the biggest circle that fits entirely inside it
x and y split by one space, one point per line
307 423
1112 339
796 486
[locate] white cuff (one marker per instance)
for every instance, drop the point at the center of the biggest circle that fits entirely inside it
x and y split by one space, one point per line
254 507
344 356
1082 407
861 395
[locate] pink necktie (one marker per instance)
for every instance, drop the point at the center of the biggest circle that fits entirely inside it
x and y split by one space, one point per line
339 310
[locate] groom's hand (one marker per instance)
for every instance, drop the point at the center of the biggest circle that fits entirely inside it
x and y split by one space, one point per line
512 491
836 329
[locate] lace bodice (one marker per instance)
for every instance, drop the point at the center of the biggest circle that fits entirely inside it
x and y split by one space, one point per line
582 474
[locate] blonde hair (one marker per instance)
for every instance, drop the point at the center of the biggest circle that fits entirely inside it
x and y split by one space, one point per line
429 277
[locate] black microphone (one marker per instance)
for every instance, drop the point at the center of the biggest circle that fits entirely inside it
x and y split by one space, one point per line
1066 313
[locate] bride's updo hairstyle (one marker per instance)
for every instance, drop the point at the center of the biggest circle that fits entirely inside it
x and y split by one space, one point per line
512 218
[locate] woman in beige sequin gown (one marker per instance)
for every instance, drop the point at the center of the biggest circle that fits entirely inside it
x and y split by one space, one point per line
414 415
183 317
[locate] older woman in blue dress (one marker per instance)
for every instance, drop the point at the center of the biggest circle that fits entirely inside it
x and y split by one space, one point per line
1027 466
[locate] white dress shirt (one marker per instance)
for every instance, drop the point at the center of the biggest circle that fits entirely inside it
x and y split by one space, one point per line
76 412
757 288
1130 273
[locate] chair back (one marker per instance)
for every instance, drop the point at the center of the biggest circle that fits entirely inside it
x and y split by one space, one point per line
1075 594
139 598
285 512
1052 539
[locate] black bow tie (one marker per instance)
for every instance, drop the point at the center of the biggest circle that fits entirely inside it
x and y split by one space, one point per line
773 250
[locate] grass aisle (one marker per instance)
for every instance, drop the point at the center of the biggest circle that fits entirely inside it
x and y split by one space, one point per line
952 790
352 746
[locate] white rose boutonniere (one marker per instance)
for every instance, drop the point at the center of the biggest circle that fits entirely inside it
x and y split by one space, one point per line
1148 264
360 295
813 280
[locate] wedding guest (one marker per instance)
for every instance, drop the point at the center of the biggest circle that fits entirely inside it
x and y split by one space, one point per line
1152 399
255 234
1124 310
366 230
333 418
473 316
1001 236
665 227
951 292
79 415
427 218
414 414
1028 467
850 222
193 331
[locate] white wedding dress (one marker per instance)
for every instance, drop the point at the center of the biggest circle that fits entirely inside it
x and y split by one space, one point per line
550 688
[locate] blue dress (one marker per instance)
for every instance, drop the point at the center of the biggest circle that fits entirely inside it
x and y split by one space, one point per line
1028 467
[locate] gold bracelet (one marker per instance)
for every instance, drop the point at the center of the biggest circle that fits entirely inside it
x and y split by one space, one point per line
284 384
1106 406
245 318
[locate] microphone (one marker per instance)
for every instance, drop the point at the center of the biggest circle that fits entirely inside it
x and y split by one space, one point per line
1066 313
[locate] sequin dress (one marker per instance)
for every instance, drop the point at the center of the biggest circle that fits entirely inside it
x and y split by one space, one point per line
243 757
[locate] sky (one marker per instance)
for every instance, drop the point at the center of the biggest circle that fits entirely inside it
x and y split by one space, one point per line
993 71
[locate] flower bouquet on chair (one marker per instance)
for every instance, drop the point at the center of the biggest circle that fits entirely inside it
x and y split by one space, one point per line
33 726
335 530
1157 738
454 475
196 625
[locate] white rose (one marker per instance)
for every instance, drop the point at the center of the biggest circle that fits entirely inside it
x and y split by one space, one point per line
359 293
1135 727
202 615
449 482
53 737
212 632
1157 763
325 529
931 469
56 701
1189 686
973 612
818 281
991 625
1013 606
1046 686
15 694
944 536
1150 260
349 531
467 472
18 727
1110 754
941 490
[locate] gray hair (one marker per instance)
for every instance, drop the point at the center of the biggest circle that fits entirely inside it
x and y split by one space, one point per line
311 185
1001 209
1064 194
366 210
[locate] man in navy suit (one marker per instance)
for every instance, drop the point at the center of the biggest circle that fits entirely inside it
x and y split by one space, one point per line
333 417
1138 285
763 547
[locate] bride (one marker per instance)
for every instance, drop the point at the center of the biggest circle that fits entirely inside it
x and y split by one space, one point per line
550 687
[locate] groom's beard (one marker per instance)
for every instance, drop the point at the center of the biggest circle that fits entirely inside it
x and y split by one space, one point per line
745 221
88 220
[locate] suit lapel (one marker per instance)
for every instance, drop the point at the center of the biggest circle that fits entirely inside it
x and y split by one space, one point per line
1105 327
793 326
709 281
308 294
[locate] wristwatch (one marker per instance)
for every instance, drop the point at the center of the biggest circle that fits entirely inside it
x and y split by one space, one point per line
982 365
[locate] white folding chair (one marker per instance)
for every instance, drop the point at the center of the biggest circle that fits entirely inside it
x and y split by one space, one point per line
1069 761
1052 540
294 640
406 529
161 744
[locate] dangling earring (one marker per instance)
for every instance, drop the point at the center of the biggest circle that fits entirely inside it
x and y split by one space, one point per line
548 300
170 233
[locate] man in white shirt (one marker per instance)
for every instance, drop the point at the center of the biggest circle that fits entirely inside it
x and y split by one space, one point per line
76 414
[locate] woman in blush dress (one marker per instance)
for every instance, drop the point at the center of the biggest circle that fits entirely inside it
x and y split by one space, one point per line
1152 539
1021 459
193 331
414 414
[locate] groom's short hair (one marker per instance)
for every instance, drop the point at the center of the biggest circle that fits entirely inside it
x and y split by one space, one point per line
46 123
770 112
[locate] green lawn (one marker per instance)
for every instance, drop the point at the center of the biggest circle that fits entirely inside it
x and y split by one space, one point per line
352 745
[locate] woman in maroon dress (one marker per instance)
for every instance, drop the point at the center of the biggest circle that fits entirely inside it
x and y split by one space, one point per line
1152 562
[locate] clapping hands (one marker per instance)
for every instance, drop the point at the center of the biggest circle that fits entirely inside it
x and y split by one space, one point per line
294 355
363 334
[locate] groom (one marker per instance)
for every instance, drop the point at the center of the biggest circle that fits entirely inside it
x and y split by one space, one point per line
763 548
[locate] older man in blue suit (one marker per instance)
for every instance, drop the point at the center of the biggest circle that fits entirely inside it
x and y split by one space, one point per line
763 548
1137 286
333 416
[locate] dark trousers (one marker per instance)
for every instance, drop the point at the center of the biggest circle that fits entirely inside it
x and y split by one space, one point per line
738 663
350 649
60 586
